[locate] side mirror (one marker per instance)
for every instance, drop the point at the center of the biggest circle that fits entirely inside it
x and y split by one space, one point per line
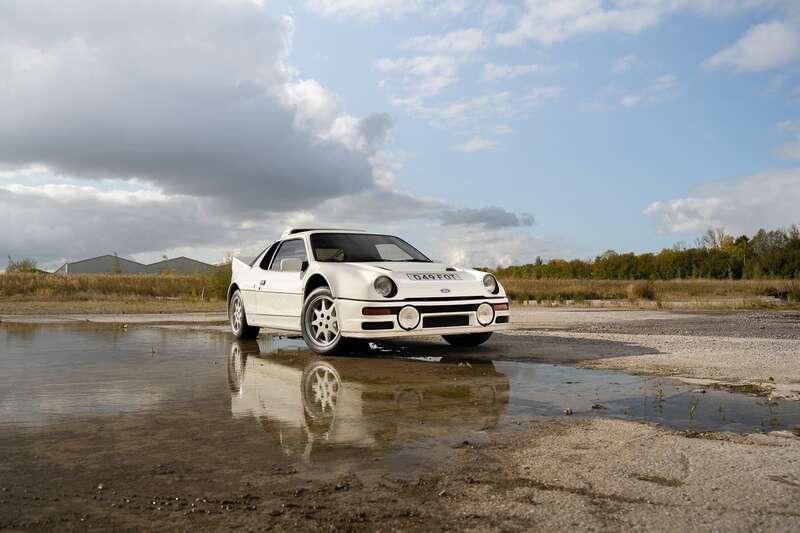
291 264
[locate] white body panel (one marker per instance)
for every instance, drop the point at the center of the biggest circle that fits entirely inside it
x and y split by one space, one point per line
274 299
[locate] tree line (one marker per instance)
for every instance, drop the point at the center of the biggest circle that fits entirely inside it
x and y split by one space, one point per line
715 255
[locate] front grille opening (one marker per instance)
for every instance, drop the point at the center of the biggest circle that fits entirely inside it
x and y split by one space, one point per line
455 308
501 320
445 321
372 326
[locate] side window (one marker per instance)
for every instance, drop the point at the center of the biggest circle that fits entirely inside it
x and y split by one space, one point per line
264 265
292 249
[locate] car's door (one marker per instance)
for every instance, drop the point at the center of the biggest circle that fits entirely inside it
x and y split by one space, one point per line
281 297
255 284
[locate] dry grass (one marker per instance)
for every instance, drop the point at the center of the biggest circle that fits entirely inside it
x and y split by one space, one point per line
44 287
30 293
47 293
560 290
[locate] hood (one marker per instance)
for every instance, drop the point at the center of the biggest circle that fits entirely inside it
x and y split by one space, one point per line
354 280
411 266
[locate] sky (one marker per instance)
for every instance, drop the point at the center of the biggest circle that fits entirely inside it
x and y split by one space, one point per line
485 132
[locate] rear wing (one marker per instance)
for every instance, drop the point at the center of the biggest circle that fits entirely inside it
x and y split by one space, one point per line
238 267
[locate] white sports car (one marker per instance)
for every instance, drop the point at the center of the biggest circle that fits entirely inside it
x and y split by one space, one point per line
334 286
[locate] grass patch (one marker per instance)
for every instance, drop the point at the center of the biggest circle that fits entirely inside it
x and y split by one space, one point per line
151 292
580 290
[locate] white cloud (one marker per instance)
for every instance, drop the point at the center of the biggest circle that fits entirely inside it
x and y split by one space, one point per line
59 221
370 10
422 76
660 89
666 83
500 247
495 11
364 9
460 42
765 46
476 144
765 200
493 72
493 106
201 136
207 104
551 21
489 106
537 96
627 62
631 100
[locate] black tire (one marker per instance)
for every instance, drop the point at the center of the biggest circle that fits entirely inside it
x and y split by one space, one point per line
237 364
336 344
240 328
467 340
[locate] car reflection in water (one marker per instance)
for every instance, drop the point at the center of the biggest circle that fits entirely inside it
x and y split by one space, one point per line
308 403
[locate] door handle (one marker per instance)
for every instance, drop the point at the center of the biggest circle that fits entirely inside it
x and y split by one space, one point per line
263 282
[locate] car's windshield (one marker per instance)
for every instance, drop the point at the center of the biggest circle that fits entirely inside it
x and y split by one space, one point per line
362 247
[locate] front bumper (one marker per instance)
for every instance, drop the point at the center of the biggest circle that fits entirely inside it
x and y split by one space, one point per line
436 318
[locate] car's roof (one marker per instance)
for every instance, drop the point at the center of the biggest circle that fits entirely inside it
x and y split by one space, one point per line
298 231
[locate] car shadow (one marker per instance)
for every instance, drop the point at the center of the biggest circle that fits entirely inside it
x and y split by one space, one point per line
501 347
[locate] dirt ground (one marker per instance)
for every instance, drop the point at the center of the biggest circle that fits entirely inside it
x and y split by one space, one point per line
130 306
565 474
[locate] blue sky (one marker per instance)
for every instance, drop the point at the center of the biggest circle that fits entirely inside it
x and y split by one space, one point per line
487 132
585 164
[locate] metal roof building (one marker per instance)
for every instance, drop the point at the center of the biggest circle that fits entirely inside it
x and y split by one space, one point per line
111 264
105 264
179 265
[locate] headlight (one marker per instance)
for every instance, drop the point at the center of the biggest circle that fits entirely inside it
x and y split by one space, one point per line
490 283
485 314
408 318
385 286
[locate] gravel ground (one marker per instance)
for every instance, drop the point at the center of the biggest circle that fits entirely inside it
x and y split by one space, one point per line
563 474
743 324
617 475
754 347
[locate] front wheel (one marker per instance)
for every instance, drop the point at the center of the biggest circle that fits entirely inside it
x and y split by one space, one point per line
320 323
467 340
239 326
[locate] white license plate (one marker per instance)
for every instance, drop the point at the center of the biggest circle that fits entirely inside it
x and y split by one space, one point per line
433 276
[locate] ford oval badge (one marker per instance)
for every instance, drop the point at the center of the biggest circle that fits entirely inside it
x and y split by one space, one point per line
445 291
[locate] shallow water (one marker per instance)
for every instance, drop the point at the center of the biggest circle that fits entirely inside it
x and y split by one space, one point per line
309 408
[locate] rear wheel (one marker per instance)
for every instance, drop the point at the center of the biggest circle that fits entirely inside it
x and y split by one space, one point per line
320 324
467 339
239 326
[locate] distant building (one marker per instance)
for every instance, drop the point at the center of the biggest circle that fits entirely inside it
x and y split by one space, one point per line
111 264
105 264
179 265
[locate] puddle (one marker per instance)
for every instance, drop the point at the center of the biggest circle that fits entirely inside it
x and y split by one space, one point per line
301 408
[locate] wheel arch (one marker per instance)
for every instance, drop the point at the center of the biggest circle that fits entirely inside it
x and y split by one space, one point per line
315 281
233 288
